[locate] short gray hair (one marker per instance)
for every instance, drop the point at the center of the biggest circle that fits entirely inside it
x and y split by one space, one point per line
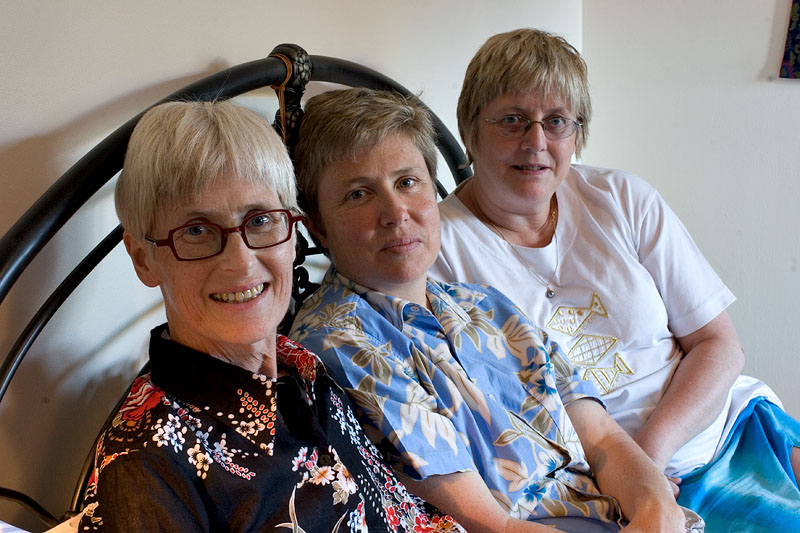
178 149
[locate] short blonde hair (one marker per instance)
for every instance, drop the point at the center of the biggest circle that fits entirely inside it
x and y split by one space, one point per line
337 124
178 149
523 61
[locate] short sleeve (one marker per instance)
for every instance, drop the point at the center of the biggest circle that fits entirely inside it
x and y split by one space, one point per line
692 291
141 491
571 385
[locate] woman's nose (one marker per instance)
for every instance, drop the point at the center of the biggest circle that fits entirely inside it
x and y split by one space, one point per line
534 139
236 253
394 210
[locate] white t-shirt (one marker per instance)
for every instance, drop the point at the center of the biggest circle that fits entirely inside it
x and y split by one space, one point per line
629 279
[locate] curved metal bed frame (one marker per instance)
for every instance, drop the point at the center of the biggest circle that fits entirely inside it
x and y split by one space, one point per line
287 70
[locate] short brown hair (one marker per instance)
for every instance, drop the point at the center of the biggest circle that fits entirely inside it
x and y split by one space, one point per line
523 61
337 124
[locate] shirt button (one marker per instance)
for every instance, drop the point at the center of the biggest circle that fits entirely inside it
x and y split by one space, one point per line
414 309
324 460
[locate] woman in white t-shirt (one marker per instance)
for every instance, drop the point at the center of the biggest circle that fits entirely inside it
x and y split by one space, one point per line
597 258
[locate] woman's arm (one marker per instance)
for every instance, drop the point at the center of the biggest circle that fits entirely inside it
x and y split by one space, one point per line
697 392
465 497
144 491
623 471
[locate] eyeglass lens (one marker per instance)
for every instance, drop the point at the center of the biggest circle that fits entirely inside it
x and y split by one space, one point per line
259 231
556 127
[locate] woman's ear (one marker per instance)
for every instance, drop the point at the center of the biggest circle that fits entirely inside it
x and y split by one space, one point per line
141 256
316 231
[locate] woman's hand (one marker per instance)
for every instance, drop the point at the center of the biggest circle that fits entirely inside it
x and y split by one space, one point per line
624 472
657 518
674 484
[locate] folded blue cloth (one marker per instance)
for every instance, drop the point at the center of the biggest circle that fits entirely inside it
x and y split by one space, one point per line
750 486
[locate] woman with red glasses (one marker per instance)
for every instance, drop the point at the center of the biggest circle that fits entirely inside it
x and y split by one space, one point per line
234 427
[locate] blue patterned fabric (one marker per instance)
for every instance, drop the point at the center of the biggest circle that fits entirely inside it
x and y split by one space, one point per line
790 68
470 385
750 487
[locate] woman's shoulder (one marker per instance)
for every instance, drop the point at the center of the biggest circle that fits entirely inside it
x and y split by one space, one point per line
609 188
139 429
480 295
334 306
145 403
459 224
610 180
451 208
332 299
459 293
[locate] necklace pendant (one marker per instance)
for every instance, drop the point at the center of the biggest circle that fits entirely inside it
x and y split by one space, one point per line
550 292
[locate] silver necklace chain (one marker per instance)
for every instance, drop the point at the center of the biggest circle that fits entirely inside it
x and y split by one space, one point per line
549 292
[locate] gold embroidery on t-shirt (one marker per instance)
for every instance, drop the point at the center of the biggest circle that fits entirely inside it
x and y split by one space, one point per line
604 378
571 320
589 350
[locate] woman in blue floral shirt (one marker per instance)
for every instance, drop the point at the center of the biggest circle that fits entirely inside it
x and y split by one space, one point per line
234 428
471 399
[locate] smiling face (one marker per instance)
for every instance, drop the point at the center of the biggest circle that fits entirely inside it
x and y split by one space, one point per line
520 175
228 305
379 218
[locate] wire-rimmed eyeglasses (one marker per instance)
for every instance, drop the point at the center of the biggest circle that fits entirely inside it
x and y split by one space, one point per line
202 240
554 127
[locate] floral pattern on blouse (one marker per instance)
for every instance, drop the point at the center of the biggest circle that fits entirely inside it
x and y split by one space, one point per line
202 445
469 385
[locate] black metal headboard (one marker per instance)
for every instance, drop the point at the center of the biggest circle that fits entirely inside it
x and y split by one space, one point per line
287 70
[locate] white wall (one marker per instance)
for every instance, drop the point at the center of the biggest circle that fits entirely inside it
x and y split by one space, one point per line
686 95
70 73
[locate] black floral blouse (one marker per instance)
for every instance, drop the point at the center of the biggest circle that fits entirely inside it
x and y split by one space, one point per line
202 445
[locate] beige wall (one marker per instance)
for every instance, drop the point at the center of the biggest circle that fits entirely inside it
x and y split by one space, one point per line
72 72
687 96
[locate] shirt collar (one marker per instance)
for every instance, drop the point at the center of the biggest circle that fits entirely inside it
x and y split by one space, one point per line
288 353
295 356
448 301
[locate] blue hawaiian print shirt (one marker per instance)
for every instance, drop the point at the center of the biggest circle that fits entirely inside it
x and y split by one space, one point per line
470 385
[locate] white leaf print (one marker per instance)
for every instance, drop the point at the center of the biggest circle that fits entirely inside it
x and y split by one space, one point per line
433 424
496 345
520 336
416 461
470 392
421 406
512 471
503 499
